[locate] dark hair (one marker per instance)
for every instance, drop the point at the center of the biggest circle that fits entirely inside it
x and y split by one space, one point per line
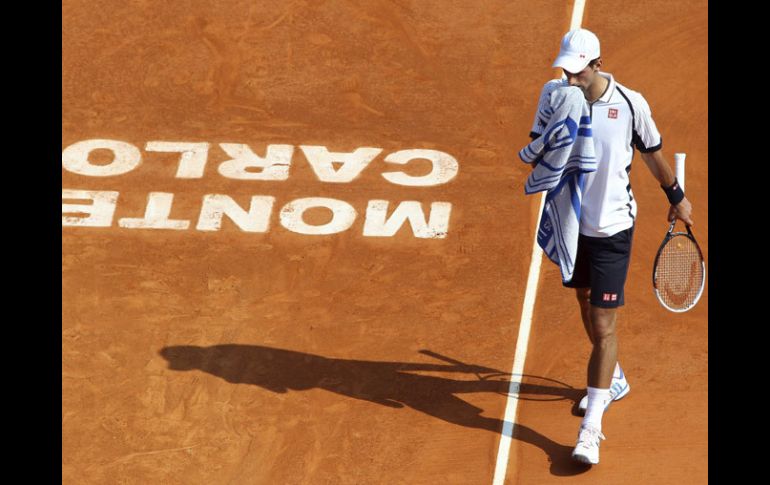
593 63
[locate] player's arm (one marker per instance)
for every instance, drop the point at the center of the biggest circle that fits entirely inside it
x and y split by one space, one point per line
661 170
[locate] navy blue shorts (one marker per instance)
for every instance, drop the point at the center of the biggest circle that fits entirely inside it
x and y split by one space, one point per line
602 265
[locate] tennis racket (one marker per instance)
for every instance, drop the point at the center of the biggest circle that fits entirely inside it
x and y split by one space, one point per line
679 272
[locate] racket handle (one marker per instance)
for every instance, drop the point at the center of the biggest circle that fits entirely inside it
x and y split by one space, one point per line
679 164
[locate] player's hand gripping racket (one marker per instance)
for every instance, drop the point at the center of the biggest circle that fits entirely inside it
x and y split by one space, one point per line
679 272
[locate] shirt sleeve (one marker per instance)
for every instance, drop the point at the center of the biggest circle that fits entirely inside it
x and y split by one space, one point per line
646 136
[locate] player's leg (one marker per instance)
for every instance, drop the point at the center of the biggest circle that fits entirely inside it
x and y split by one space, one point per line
584 300
581 282
605 347
618 386
609 258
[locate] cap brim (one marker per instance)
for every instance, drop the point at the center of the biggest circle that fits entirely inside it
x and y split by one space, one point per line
571 64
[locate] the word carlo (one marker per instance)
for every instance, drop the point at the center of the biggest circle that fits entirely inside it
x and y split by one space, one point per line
96 208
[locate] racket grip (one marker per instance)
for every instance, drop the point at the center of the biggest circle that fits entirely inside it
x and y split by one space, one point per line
679 165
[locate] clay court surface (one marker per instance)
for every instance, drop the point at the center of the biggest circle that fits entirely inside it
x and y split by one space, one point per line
275 357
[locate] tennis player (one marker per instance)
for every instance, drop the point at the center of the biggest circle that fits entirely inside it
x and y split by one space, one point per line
621 121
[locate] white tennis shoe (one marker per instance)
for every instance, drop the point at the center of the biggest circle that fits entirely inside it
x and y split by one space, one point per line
587 448
619 387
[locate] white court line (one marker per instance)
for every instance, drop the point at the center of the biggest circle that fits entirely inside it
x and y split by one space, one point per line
520 354
577 14
504 449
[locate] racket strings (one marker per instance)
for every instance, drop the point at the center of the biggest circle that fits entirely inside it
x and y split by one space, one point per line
679 274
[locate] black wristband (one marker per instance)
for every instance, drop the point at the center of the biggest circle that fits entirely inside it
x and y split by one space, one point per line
674 193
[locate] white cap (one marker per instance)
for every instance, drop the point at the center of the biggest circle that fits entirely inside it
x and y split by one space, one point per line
578 48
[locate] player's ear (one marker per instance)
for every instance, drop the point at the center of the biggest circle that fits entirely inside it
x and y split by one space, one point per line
598 63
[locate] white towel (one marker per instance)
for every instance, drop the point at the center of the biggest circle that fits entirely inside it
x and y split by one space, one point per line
563 154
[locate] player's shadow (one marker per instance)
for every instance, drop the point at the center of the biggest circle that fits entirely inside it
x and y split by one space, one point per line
392 384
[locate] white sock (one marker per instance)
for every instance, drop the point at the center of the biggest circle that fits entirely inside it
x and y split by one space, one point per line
617 372
597 401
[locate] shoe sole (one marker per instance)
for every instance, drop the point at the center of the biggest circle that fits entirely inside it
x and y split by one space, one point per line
584 459
620 396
